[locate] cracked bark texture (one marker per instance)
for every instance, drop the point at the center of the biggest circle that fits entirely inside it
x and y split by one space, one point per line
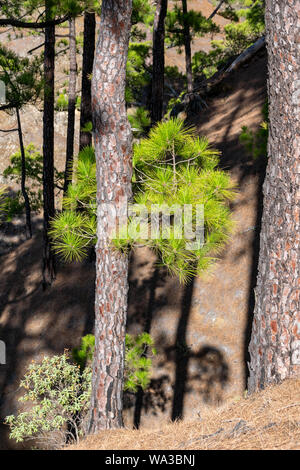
275 342
112 137
48 148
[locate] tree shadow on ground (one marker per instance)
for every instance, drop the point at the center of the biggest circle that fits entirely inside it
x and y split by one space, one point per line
250 78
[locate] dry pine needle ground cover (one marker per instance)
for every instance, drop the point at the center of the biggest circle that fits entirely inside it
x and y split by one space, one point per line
267 420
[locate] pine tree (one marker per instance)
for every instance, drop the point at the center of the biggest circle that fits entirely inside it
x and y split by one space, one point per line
182 26
172 168
275 342
48 20
23 84
112 136
48 146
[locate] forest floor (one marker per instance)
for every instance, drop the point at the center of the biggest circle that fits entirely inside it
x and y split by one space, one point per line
268 420
201 330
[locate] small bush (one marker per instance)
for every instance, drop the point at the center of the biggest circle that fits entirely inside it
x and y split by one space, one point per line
137 365
34 180
62 102
140 122
60 395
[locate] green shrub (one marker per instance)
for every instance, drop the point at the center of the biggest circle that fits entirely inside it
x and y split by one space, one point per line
60 396
62 102
140 122
2 202
137 75
34 180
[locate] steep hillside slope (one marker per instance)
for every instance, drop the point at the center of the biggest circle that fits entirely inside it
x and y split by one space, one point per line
200 330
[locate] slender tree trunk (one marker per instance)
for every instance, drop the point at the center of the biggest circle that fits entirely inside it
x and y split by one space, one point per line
48 148
71 106
158 61
23 178
275 342
187 48
85 138
112 137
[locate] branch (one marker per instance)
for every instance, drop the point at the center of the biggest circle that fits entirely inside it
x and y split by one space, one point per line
7 106
216 9
35 48
247 54
24 24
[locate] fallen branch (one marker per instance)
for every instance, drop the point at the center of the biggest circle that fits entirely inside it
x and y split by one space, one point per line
247 54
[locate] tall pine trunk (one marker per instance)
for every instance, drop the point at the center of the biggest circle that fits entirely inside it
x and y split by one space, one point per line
187 48
85 138
112 137
23 178
48 148
71 105
275 342
158 61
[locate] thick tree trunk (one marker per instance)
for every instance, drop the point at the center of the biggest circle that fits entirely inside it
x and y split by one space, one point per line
187 48
112 137
85 138
275 342
48 149
23 178
71 106
158 61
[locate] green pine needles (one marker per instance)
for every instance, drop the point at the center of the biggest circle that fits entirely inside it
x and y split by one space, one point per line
139 351
176 185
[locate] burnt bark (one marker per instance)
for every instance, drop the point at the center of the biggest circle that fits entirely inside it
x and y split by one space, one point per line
71 105
23 178
275 341
158 61
187 48
113 141
85 138
48 149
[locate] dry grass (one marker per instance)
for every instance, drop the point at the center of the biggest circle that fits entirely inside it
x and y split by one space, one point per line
267 420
